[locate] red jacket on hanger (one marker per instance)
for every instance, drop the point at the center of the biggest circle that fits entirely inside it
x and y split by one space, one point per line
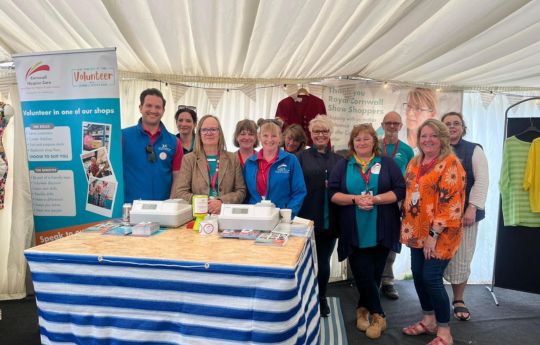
300 110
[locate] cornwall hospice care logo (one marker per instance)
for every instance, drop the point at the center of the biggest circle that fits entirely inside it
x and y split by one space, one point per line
33 78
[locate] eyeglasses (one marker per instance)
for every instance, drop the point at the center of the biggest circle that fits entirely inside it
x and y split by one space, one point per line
191 107
395 124
417 109
453 124
320 132
150 153
210 130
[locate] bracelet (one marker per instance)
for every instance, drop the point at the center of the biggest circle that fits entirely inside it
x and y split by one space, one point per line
353 202
378 199
433 233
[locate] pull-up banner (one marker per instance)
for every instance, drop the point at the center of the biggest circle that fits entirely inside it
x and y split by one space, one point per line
71 114
356 102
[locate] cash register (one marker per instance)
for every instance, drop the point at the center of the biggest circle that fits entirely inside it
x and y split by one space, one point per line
262 216
168 213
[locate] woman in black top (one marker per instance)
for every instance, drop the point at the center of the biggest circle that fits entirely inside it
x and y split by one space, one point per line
317 163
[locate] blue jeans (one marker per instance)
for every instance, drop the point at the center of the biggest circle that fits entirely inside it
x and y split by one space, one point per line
325 246
367 265
428 281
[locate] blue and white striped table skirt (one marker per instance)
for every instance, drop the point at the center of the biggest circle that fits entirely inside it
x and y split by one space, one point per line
112 300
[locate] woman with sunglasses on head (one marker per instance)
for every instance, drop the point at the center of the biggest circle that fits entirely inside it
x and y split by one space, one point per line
210 169
274 174
317 163
475 163
367 187
186 120
245 138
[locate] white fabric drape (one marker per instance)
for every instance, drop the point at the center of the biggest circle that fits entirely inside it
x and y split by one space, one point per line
234 105
486 126
16 220
477 44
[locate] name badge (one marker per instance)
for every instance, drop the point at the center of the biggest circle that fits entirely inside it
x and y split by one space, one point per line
415 197
376 168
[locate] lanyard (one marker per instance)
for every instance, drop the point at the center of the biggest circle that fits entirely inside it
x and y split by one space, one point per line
365 177
213 179
192 143
395 148
265 171
264 176
422 171
242 162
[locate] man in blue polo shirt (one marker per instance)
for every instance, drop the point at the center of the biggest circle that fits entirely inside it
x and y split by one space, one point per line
401 153
151 155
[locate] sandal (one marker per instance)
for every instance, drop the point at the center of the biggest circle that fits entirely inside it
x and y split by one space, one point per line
461 310
439 341
418 329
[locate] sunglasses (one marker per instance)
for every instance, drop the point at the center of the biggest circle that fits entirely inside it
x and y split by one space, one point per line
274 121
150 152
190 107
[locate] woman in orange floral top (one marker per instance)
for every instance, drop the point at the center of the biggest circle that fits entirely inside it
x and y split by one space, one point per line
431 225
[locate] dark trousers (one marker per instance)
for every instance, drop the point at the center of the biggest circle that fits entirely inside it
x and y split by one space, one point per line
428 281
325 246
367 265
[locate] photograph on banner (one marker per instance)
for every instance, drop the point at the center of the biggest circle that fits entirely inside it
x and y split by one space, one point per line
421 104
100 196
96 164
354 102
96 135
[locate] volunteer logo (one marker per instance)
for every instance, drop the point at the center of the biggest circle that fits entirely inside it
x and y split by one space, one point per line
164 147
282 169
37 67
92 77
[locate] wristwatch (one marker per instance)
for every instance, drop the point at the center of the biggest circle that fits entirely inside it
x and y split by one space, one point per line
433 233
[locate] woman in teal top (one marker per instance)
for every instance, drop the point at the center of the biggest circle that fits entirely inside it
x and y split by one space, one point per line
367 187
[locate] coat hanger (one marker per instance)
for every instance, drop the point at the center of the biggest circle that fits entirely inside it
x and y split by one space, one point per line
302 91
531 128
530 133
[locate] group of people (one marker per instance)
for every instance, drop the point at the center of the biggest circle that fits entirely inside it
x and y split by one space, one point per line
375 198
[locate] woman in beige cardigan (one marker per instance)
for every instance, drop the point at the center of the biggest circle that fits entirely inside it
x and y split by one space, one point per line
210 169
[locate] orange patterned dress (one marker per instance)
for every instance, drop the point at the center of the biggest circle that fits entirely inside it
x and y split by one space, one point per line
439 200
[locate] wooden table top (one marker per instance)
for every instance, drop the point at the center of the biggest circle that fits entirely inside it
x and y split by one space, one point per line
179 244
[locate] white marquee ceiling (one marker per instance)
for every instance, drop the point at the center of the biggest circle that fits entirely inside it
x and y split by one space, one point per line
470 43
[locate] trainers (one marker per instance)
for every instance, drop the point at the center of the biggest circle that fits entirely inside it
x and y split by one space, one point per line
390 292
377 326
325 309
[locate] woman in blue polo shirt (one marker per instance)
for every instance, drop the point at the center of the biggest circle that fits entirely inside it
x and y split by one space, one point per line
274 174
367 187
